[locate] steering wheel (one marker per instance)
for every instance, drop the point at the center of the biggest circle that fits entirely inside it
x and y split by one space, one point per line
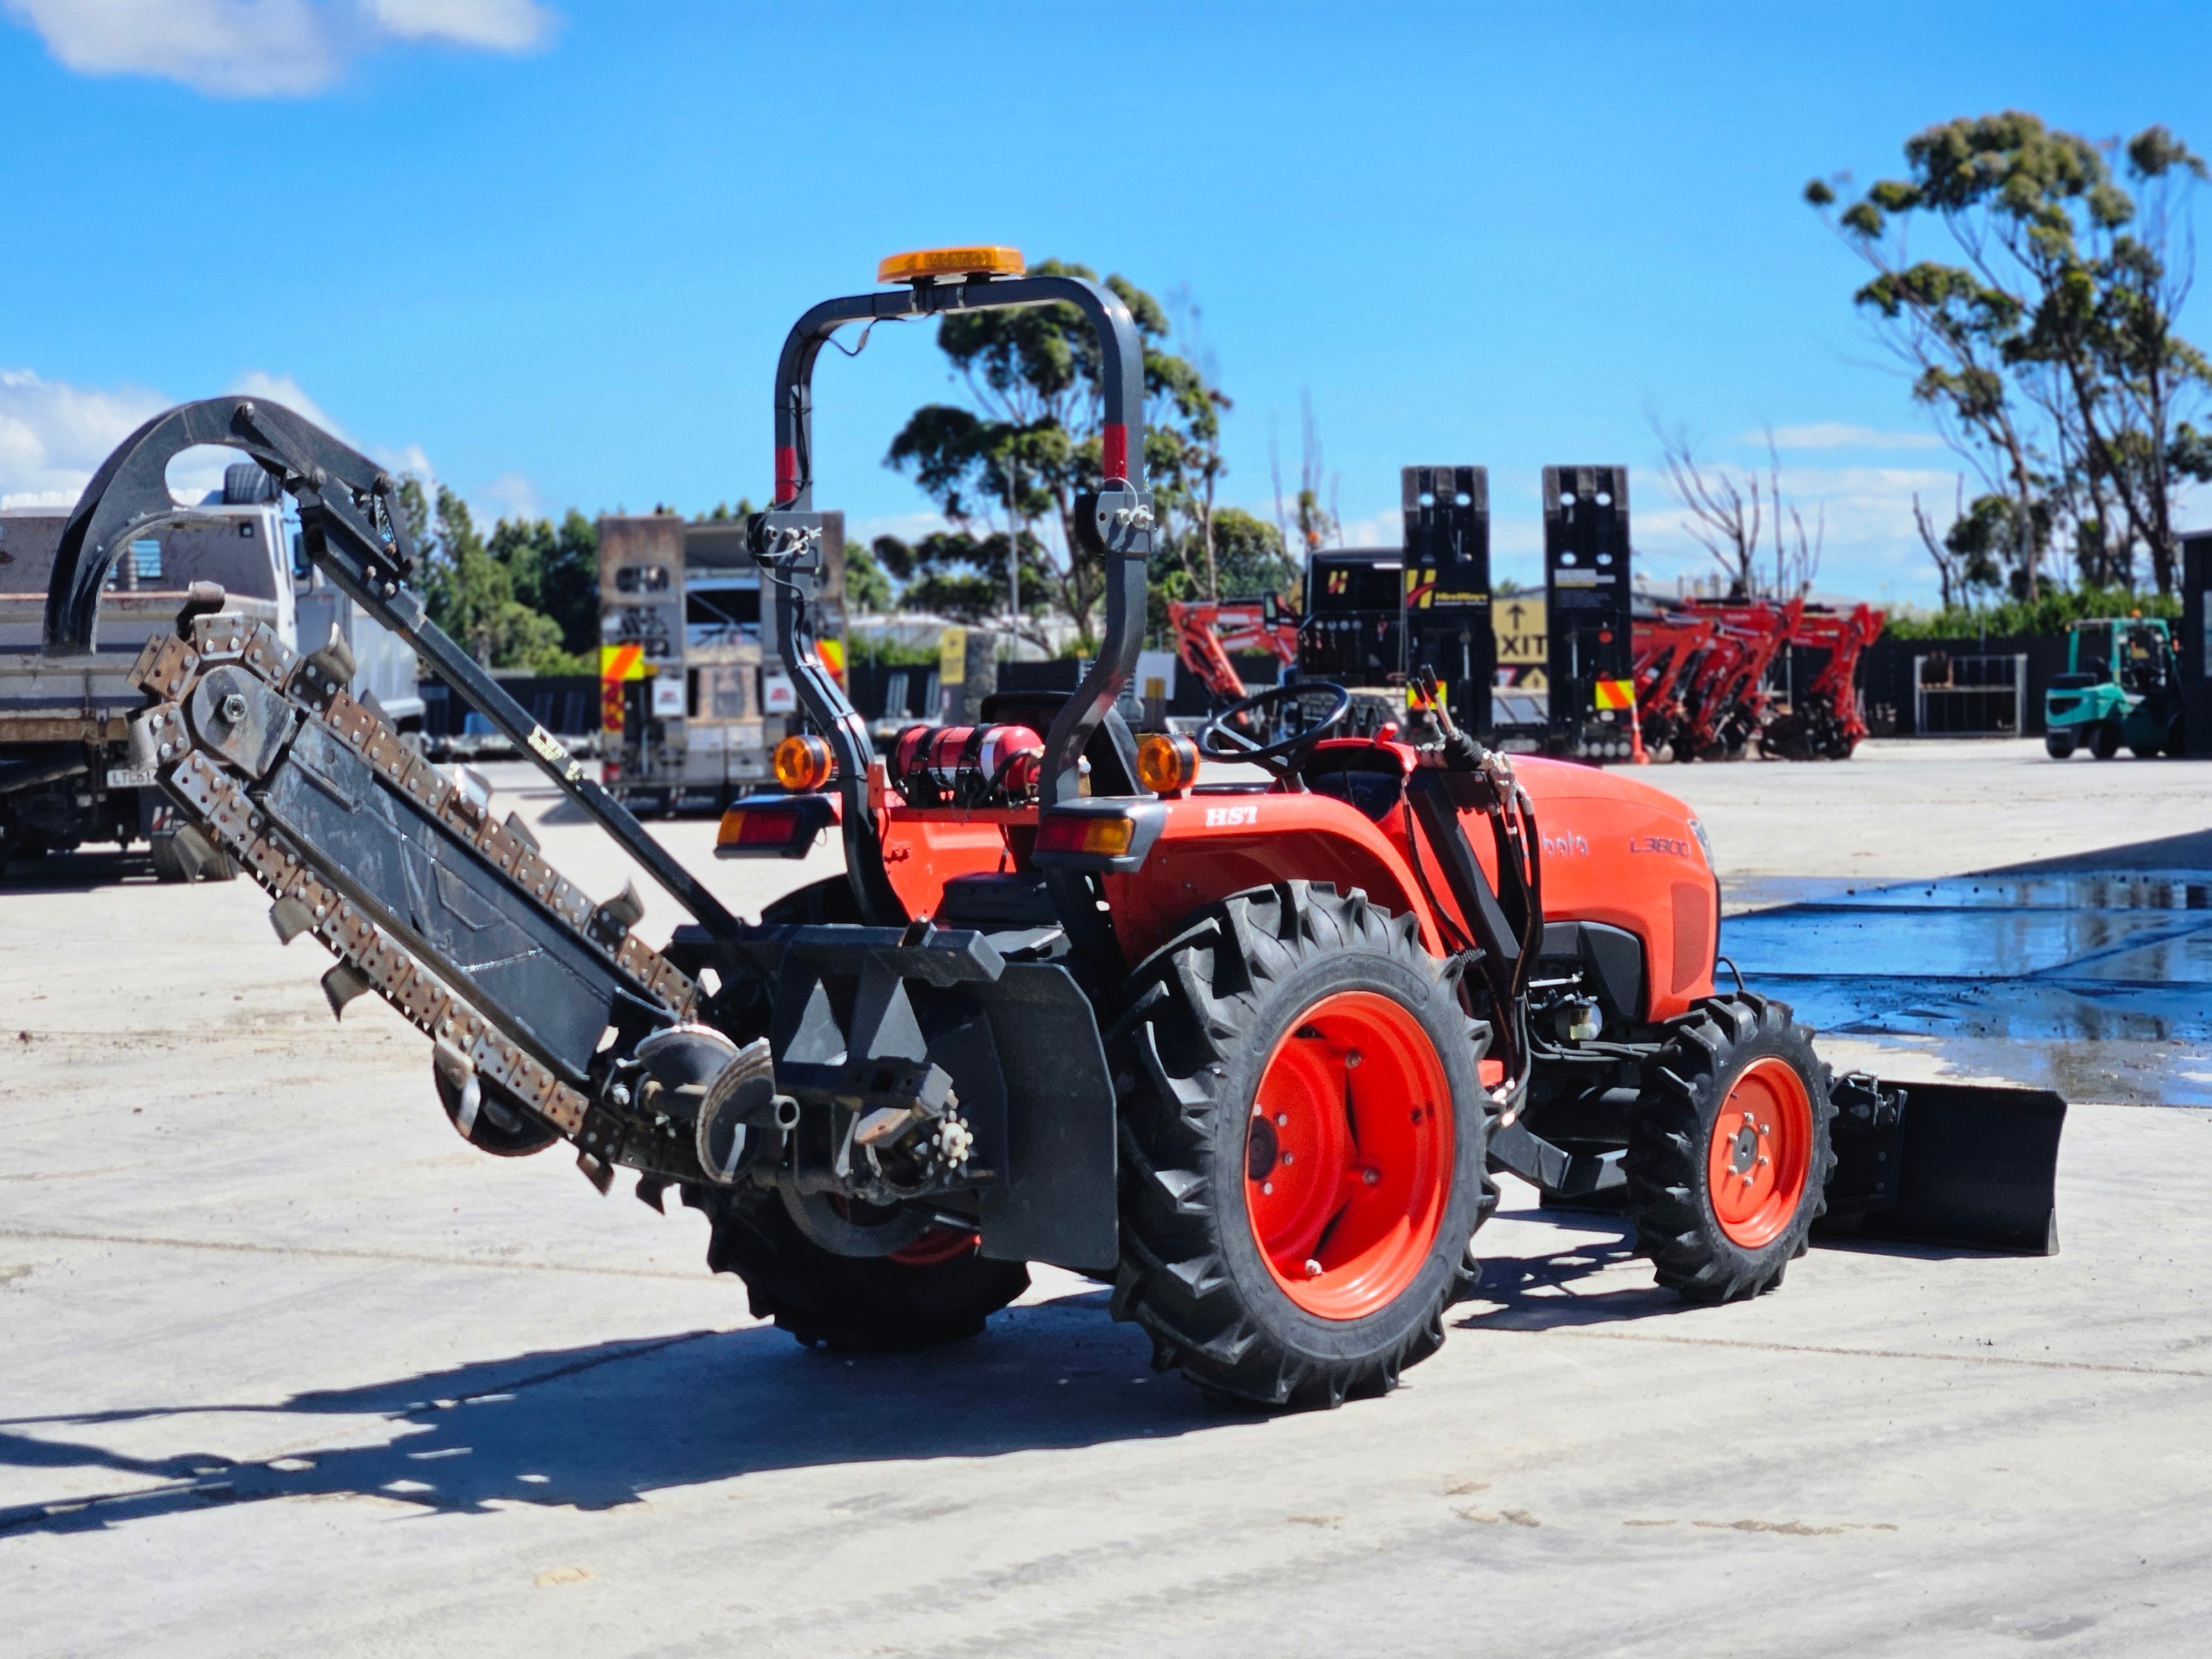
1218 741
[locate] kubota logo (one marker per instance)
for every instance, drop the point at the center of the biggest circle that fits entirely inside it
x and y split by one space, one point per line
1221 817
1565 844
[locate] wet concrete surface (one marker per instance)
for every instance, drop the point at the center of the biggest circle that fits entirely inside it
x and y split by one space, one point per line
2096 983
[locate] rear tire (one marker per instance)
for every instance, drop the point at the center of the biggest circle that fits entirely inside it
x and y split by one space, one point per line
2059 745
943 1290
1728 1156
1263 1279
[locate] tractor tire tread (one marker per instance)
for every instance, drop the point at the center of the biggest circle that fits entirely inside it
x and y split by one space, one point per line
1201 995
849 1305
1664 1166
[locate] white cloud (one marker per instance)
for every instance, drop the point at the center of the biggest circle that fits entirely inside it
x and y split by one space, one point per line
284 390
510 495
53 437
496 25
263 48
1835 435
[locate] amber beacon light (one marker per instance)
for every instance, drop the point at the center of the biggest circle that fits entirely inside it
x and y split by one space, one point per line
1166 765
802 762
927 264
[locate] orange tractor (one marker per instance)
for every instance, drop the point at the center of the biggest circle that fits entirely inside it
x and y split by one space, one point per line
1253 1048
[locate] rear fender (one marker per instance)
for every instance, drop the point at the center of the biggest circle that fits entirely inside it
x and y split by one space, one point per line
1213 846
872 1015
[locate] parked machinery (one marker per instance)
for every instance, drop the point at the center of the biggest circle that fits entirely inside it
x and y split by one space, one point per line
66 775
2122 685
1208 631
1253 1051
691 702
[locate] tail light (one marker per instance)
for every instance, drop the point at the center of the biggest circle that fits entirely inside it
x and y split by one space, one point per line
1104 837
774 826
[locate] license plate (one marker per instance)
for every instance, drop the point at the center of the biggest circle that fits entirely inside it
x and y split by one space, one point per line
129 777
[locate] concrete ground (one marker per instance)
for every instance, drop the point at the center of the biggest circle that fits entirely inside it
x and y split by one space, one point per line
285 1368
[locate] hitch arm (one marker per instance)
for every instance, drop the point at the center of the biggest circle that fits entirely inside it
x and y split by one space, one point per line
353 530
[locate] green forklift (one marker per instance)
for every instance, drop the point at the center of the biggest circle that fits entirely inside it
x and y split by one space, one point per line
2121 687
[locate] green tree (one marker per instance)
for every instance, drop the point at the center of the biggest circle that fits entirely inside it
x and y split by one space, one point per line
555 570
960 574
2048 353
471 590
1249 555
1031 440
867 586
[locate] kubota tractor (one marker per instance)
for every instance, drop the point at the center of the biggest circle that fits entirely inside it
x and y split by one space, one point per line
1252 1048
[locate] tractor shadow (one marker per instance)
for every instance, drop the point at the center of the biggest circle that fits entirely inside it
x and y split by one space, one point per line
74 872
600 1426
1534 1279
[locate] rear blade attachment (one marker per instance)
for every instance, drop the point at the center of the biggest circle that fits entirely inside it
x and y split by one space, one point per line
426 899
1946 1163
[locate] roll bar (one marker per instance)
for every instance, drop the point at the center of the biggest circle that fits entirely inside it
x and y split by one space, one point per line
352 529
1116 523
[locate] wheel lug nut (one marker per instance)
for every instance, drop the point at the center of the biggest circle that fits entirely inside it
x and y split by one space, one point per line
1283 1119
1268 1188
1370 1176
1350 1058
1289 1157
1313 1269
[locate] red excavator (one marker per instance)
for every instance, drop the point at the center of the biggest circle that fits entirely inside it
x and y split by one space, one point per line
1207 630
1252 1047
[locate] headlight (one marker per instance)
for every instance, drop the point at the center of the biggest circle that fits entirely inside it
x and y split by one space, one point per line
1704 845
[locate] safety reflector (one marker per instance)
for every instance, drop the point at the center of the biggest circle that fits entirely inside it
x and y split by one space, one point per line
1616 694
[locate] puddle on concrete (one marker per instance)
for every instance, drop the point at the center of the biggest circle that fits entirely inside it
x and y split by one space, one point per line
2098 983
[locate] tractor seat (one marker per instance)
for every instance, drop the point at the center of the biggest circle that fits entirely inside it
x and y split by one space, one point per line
1371 778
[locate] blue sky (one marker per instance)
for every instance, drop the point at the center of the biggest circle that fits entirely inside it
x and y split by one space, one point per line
547 248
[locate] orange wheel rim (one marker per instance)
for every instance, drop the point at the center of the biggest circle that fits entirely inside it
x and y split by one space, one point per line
1761 1152
1348 1155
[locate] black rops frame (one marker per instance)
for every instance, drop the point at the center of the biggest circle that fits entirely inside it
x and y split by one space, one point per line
1586 590
352 528
787 539
1447 517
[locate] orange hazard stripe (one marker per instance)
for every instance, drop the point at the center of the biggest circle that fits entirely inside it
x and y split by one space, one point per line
1616 694
622 662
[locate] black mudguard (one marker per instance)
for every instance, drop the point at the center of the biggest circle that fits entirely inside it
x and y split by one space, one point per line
863 1015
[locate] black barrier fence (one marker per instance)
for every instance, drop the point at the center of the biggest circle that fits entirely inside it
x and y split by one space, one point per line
1957 689
883 691
566 705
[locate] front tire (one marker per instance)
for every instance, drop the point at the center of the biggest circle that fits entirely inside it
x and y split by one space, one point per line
2105 741
2059 745
1728 1156
1304 1148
